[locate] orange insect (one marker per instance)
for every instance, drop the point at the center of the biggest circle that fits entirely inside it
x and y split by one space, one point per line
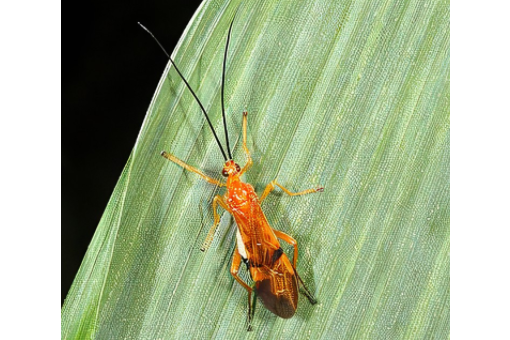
275 276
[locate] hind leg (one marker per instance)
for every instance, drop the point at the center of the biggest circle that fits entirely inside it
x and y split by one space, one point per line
290 240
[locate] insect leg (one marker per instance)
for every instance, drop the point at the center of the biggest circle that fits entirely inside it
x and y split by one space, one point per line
290 240
210 235
271 185
234 269
176 160
249 162
308 294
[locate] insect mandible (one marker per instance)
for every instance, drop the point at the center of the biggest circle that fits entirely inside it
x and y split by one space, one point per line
275 276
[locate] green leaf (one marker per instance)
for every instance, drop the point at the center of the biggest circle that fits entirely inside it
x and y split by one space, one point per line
349 95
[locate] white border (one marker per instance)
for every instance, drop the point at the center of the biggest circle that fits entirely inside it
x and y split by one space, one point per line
30 109
480 170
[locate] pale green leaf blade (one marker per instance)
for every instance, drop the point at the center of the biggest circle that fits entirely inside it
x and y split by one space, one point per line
350 95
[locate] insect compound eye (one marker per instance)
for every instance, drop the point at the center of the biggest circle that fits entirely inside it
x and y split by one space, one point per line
238 168
224 173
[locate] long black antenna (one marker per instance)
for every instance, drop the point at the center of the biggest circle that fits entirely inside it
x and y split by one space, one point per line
192 92
223 86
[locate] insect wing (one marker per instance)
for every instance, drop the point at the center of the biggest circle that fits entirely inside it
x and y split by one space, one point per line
278 290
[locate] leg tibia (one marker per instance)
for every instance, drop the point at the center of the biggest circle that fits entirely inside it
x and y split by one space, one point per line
249 162
234 269
210 235
271 185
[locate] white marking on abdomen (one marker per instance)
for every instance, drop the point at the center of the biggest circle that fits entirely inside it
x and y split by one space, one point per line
240 245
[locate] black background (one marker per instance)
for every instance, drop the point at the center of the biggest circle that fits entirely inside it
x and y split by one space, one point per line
111 68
